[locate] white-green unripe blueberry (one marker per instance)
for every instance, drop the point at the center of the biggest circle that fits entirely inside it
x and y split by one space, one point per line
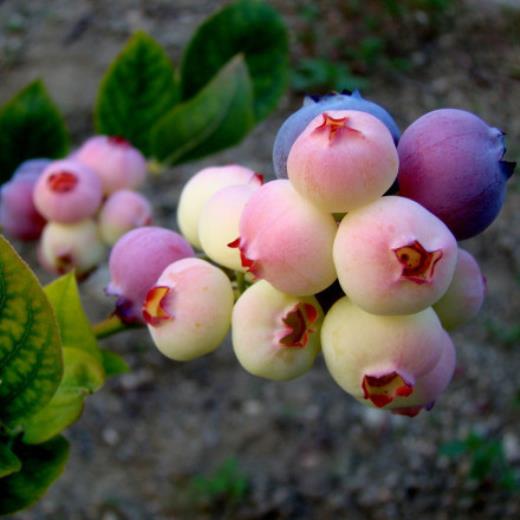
188 310
64 247
276 335
378 359
201 187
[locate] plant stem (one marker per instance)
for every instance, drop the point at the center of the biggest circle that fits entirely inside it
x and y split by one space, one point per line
111 326
241 282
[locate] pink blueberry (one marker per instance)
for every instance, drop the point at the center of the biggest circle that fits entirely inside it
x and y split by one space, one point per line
219 224
64 247
394 257
275 335
136 261
19 217
188 310
201 187
286 240
117 163
123 211
386 361
465 295
344 159
67 191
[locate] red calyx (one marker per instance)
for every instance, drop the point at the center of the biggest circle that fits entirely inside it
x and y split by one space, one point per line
418 264
335 126
383 389
62 182
298 321
118 141
154 311
247 263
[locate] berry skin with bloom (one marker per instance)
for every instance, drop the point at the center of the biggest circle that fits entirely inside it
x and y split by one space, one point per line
343 159
286 240
465 295
382 360
67 191
201 187
188 310
275 335
451 162
64 247
117 163
19 217
123 211
295 124
136 261
219 224
394 257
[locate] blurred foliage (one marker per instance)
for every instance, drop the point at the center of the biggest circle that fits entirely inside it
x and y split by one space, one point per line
341 42
487 460
505 335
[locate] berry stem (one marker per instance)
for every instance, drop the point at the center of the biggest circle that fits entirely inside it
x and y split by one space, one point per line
110 326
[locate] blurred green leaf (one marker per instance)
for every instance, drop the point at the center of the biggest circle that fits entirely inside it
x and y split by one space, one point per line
75 328
113 363
9 462
248 27
137 90
41 465
220 115
82 376
30 350
30 126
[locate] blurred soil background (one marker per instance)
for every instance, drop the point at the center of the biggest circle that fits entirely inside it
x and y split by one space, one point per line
205 440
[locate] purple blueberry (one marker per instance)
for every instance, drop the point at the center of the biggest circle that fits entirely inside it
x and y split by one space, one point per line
451 162
19 217
32 167
295 124
136 262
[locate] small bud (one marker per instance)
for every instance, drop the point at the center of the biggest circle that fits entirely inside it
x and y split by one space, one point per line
123 211
19 217
188 310
464 296
117 163
67 191
65 247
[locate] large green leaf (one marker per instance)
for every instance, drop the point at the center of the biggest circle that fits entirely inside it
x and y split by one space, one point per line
248 27
30 126
82 376
139 88
220 115
30 350
75 328
41 466
9 462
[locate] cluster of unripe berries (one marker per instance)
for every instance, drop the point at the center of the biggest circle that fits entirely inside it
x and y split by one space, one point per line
329 260
77 206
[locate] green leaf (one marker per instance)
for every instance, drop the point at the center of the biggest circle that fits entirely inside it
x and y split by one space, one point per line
138 89
41 466
30 350
9 462
75 328
248 27
219 116
114 364
82 376
30 126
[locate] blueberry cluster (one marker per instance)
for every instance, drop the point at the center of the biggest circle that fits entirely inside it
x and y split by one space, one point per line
78 205
329 221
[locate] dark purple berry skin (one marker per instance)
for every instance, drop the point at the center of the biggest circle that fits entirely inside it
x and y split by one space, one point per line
295 124
451 162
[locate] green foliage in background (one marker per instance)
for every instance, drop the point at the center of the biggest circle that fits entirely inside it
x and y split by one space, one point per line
30 126
232 74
